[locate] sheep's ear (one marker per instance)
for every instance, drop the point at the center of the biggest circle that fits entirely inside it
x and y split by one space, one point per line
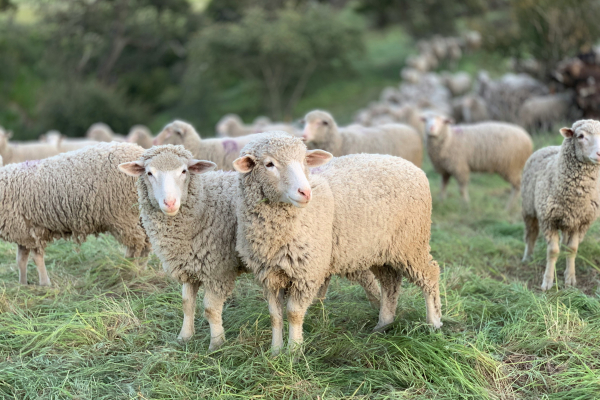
244 164
567 132
134 168
316 158
449 121
200 166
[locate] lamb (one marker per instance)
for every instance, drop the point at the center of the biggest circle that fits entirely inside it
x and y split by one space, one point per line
561 192
74 195
220 151
140 135
321 131
100 132
541 112
188 211
295 228
492 147
12 152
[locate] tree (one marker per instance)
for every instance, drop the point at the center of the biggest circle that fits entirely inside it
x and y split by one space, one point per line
278 51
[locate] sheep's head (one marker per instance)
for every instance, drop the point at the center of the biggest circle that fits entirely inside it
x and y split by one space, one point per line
174 133
317 126
585 136
166 171
140 135
279 163
435 124
5 136
228 124
100 132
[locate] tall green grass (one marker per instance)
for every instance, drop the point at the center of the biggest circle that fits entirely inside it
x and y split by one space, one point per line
106 330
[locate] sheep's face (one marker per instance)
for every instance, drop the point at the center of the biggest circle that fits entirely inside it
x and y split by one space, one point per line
167 178
586 141
317 126
174 133
435 125
280 169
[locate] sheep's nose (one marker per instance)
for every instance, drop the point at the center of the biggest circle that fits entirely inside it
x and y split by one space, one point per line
155 141
169 203
306 193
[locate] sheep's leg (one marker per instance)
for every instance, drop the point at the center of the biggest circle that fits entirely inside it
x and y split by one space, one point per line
532 230
322 293
445 180
38 258
189 292
551 257
572 242
296 309
463 185
140 256
213 310
22 258
433 306
390 281
514 193
367 280
275 300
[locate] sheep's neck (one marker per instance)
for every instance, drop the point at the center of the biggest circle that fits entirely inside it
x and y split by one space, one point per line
572 173
332 143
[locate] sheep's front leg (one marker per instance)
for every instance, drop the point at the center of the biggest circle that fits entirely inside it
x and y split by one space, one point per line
296 309
213 310
189 291
275 301
572 242
445 180
514 194
38 258
551 257
22 258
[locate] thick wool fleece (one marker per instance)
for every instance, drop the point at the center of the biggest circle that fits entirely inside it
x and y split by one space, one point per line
492 147
140 135
72 195
382 217
19 152
220 151
393 139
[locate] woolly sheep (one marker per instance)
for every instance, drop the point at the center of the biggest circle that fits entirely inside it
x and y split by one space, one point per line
63 143
12 152
220 151
100 132
321 131
492 147
542 112
231 125
189 214
561 192
74 195
140 135
296 228
411 75
458 84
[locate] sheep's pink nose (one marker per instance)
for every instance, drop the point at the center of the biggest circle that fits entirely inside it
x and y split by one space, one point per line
306 193
169 203
155 141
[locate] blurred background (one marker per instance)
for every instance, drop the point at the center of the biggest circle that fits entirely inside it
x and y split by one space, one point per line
66 64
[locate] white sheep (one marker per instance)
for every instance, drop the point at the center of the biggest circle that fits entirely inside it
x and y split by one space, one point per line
458 83
12 152
321 131
140 135
561 192
493 147
71 195
542 112
100 132
63 143
296 228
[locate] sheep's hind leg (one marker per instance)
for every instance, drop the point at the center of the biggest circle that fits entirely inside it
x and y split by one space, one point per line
38 258
532 230
322 293
390 280
275 301
367 280
551 257
514 193
189 292
213 310
571 240
445 180
22 258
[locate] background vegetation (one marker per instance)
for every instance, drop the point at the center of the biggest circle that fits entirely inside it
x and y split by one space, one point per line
67 64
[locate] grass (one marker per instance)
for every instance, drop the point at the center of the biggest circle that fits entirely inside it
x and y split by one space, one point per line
108 331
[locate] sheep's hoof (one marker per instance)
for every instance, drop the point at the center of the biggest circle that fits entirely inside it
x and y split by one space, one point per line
436 324
570 280
546 286
275 351
184 338
47 283
215 344
382 327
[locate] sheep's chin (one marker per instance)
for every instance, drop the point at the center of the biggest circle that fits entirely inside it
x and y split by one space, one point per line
170 213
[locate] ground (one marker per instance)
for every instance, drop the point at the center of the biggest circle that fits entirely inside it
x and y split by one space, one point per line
108 331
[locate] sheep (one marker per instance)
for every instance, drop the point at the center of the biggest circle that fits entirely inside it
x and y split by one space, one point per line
100 132
411 75
542 112
231 125
188 211
321 131
561 192
74 195
140 135
295 228
12 152
492 147
458 84
63 143
220 151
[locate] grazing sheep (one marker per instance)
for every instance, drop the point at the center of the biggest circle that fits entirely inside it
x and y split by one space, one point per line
74 195
12 152
561 192
321 131
296 229
140 135
189 215
492 147
220 151
542 112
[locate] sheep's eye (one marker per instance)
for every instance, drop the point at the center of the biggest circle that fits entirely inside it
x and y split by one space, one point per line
270 164
184 171
149 173
325 123
580 136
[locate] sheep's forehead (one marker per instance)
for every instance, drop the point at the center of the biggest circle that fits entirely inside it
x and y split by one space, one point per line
589 126
317 115
280 146
166 162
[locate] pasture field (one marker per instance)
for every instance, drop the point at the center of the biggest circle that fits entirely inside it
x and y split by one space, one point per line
108 331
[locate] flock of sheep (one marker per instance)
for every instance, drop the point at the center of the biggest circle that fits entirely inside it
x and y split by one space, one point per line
293 206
